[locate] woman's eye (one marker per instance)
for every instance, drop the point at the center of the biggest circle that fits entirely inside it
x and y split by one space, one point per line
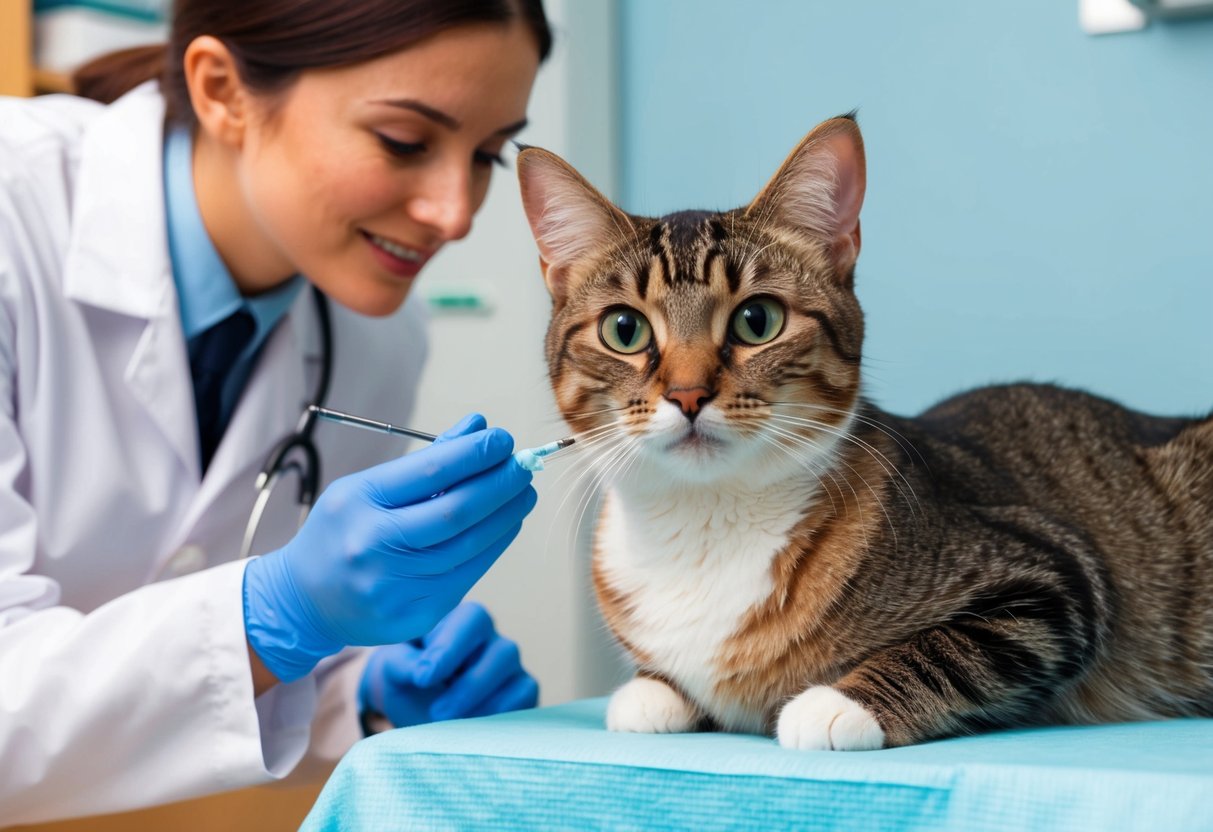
483 157
625 330
758 321
398 148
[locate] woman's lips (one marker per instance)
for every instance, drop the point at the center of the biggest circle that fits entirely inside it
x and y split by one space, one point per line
397 258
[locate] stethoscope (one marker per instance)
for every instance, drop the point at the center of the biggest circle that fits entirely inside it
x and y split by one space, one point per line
296 454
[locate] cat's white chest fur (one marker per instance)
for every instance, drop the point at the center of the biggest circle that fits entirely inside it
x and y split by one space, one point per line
691 563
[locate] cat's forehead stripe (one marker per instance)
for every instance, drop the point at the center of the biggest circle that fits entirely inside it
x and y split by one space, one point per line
642 281
733 275
686 228
677 241
659 246
709 259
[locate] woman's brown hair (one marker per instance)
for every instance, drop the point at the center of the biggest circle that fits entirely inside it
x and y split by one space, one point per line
273 41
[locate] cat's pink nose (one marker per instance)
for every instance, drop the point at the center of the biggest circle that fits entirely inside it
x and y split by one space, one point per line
690 399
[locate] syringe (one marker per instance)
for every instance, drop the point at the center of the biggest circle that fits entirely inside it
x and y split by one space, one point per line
529 458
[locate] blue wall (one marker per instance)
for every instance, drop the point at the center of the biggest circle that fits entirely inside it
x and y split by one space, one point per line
1040 201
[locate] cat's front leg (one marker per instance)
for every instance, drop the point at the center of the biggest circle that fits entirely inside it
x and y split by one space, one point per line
946 680
647 705
1014 646
824 719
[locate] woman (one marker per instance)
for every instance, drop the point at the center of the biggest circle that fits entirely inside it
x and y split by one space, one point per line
156 340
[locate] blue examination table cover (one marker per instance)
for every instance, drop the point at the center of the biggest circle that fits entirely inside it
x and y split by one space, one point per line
558 768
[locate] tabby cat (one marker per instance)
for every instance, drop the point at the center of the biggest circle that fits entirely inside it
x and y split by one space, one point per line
779 555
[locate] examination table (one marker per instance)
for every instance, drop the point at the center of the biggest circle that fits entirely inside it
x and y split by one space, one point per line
557 768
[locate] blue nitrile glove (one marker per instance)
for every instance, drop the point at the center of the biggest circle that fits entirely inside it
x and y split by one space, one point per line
462 668
388 551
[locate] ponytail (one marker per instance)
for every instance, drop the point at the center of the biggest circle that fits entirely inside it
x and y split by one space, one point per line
110 76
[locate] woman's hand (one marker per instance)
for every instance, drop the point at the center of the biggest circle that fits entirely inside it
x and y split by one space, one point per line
461 668
387 552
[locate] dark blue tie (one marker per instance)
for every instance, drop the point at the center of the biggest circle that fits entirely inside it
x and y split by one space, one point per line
213 354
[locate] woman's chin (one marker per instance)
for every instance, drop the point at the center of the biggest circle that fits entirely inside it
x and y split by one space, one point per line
371 296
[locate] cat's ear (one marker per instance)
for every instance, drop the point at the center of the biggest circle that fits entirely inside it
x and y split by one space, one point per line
819 189
570 219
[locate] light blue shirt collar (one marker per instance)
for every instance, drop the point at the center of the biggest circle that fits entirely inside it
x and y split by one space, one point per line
205 289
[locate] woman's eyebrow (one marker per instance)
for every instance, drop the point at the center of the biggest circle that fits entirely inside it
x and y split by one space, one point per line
425 110
511 129
450 122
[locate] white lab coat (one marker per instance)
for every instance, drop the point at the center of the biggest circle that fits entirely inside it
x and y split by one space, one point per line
124 677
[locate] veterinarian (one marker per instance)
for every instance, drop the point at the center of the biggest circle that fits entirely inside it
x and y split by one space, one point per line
182 271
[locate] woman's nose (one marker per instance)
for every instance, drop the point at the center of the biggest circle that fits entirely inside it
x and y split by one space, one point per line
444 203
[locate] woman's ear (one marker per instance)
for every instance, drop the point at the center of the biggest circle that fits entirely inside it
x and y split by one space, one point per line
217 93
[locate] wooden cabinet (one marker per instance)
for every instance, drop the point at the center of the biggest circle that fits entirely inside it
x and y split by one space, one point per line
16 48
18 75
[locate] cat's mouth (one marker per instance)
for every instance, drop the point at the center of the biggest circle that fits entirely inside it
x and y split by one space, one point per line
696 440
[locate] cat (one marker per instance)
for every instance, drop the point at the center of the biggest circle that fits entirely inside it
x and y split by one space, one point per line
780 556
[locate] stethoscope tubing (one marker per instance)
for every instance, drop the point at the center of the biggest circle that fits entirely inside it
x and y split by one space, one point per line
278 462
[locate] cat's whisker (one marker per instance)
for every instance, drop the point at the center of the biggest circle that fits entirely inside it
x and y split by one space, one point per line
807 460
631 450
884 461
582 414
584 491
762 222
766 219
833 430
819 452
887 465
756 254
879 502
588 440
563 420
620 467
586 474
613 424
906 497
588 445
595 441
900 439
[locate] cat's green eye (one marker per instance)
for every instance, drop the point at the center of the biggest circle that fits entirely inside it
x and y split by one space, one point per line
758 321
625 330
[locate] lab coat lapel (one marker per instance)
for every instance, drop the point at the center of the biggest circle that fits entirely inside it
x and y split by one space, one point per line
118 260
159 379
269 408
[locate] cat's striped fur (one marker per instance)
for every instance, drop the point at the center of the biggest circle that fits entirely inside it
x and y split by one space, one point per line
778 554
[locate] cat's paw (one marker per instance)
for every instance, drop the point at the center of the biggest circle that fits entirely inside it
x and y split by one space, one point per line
822 719
649 706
